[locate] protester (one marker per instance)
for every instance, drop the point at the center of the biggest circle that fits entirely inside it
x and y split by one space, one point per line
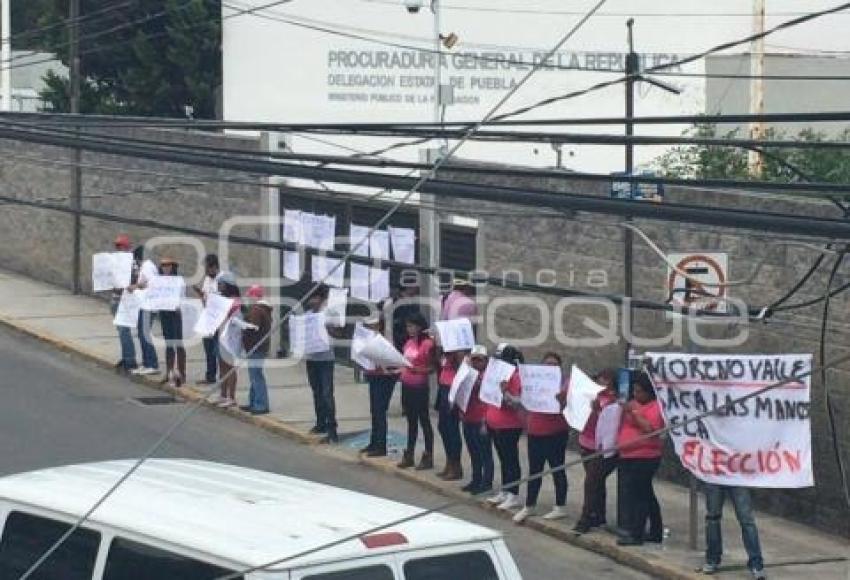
505 425
715 495
143 272
548 434
228 288
127 363
449 420
460 302
171 322
256 342
399 309
381 386
320 375
640 457
209 286
419 352
597 469
478 443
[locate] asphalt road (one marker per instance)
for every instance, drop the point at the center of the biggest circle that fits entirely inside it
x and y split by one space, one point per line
58 409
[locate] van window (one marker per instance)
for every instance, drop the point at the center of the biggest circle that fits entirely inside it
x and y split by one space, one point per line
367 573
466 565
127 559
27 537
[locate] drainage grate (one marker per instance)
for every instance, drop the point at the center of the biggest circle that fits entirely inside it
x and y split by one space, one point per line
159 400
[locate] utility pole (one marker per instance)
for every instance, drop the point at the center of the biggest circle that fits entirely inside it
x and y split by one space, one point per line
6 53
755 159
76 175
632 72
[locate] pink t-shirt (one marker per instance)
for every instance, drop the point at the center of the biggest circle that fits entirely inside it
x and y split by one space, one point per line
629 432
506 417
476 410
587 438
419 353
545 424
448 370
458 305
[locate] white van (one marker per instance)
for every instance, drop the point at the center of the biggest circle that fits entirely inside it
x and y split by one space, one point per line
194 520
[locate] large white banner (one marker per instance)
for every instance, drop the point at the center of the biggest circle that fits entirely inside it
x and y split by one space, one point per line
765 441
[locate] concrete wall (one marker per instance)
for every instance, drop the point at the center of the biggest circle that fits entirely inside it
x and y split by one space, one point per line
531 240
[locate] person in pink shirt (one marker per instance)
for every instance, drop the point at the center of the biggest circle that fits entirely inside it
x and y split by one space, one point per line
596 470
505 424
419 352
448 424
474 419
460 302
548 434
640 457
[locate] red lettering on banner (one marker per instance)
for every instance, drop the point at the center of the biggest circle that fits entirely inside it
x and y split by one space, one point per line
719 459
706 459
793 460
744 460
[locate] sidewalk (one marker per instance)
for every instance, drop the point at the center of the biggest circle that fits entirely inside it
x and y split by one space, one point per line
83 325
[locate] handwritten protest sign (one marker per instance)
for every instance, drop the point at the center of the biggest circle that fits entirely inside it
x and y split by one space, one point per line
122 270
540 387
129 308
580 396
360 281
328 270
379 284
404 244
607 429
231 339
102 277
358 340
382 352
337 303
307 334
213 315
455 334
190 313
764 441
495 374
164 293
462 386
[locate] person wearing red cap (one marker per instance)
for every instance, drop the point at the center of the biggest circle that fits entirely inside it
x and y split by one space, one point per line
255 340
125 333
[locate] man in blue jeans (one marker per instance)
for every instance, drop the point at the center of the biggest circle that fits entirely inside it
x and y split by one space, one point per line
715 495
127 363
255 341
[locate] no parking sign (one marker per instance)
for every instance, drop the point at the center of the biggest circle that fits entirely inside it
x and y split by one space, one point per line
704 286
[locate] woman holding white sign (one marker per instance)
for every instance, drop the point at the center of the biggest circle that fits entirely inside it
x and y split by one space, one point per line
505 423
474 418
419 352
548 434
172 332
226 358
381 386
640 458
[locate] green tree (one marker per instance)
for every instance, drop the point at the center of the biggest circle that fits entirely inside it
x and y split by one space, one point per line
780 165
153 58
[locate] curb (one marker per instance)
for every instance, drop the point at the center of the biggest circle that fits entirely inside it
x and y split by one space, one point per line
599 544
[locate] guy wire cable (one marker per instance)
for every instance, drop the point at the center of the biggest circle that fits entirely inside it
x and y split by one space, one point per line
730 404
193 408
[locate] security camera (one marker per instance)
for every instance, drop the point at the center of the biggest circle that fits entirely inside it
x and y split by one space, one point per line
413 6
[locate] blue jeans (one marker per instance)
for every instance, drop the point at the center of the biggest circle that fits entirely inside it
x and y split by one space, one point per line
320 375
381 389
715 495
211 353
149 359
449 425
125 338
480 450
258 398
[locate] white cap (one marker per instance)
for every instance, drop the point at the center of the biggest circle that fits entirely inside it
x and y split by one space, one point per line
478 350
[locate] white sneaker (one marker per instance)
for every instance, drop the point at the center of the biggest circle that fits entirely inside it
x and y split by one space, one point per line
498 498
524 513
144 371
512 502
226 403
558 512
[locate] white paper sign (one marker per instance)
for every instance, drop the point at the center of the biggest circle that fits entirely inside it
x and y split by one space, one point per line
462 386
497 372
164 293
404 245
213 315
337 303
541 385
293 229
292 265
455 334
358 339
607 428
307 334
231 338
190 313
328 270
319 231
102 276
382 352
379 245
359 240
123 269
765 441
360 281
379 284
580 396
129 308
